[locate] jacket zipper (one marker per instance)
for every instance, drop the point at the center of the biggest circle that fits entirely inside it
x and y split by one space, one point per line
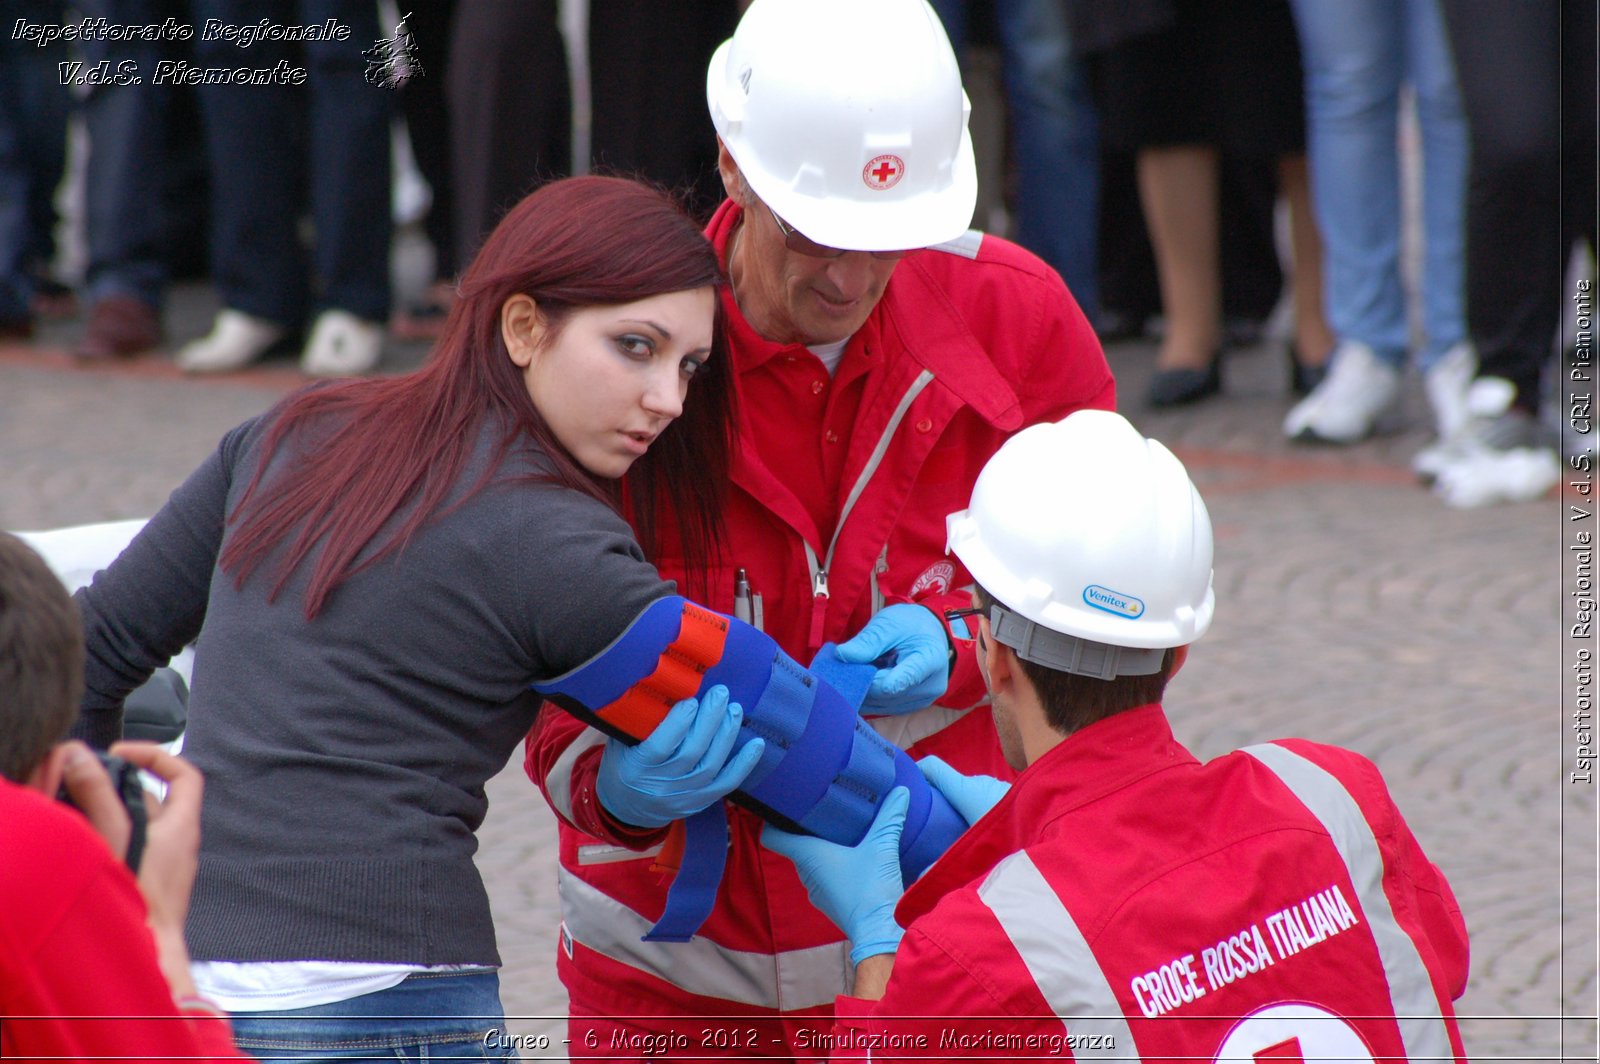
819 569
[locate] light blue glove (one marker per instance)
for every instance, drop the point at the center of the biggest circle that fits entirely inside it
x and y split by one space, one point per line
919 669
857 887
680 768
972 796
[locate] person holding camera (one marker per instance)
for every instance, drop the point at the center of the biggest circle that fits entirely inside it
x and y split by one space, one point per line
92 961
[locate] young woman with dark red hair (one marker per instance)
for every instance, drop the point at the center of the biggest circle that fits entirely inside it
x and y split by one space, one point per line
376 570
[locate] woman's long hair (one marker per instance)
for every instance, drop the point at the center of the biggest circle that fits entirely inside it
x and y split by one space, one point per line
383 445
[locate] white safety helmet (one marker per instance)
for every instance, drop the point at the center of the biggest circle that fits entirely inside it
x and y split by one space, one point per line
1095 540
847 117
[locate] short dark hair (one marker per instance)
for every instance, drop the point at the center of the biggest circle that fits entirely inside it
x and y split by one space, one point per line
1072 701
41 659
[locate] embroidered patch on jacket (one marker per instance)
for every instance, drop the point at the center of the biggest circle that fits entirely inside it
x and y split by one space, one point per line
936 578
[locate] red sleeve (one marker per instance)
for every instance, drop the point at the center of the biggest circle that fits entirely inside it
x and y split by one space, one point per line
935 1009
1438 913
562 756
79 978
1066 371
1416 888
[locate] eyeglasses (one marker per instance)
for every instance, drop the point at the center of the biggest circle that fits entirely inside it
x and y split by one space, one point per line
957 620
796 241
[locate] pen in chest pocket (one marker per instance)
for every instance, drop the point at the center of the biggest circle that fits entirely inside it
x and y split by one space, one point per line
746 603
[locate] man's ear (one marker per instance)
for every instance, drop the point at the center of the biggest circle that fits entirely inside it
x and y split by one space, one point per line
999 660
520 328
46 776
732 180
1179 656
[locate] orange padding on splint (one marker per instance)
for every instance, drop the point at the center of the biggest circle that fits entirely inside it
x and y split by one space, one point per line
701 637
670 857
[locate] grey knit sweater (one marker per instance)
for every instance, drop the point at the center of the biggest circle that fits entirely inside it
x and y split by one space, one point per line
345 757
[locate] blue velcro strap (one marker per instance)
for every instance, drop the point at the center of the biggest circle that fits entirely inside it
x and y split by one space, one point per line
694 888
816 755
848 678
845 810
780 718
932 823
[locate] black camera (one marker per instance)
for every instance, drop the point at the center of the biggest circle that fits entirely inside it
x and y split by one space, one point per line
125 781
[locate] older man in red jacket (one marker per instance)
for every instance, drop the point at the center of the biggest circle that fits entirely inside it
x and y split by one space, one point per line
883 352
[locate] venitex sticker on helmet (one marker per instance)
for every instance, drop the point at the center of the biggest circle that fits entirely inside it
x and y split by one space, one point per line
1103 598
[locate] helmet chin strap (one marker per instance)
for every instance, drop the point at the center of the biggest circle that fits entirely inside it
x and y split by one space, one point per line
1068 653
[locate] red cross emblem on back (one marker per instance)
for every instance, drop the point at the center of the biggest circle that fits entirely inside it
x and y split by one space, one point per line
884 172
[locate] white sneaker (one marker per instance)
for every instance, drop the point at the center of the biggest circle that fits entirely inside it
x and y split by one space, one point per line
342 345
1500 454
1446 383
1490 425
1360 396
1484 478
236 339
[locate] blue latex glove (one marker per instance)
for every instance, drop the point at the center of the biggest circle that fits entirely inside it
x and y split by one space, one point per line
919 670
971 796
680 768
857 887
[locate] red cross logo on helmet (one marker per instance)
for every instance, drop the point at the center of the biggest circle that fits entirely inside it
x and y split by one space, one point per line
884 172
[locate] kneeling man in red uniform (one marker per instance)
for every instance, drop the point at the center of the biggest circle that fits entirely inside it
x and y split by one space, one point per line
1122 900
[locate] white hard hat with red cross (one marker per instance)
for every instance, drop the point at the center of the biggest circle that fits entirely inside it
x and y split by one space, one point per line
847 117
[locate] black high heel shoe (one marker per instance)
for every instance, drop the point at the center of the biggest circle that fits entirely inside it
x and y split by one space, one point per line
1177 387
1303 377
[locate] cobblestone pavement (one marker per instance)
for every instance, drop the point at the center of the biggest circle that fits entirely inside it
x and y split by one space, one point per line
1353 608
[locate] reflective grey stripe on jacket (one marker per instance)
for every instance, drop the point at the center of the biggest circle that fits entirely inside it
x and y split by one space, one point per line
794 979
1416 1008
1067 974
1057 955
907 729
558 781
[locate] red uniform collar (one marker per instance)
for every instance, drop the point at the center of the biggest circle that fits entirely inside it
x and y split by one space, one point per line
1083 767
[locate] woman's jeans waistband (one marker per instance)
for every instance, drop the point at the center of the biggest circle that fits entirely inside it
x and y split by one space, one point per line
428 1016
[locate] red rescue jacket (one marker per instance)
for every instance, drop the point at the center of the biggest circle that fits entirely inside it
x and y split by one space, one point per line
1271 904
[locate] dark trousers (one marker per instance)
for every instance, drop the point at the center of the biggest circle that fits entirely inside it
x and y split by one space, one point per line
1527 77
33 145
127 179
428 122
647 86
510 110
275 149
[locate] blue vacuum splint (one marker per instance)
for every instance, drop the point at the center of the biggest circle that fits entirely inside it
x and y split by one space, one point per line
824 771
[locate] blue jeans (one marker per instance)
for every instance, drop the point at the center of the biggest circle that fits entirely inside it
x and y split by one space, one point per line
429 1016
124 184
1357 53
1055 137
267 144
